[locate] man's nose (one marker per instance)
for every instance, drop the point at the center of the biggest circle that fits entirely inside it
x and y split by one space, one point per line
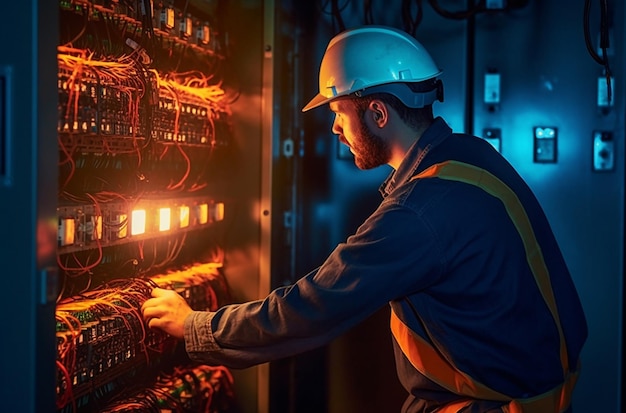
336 127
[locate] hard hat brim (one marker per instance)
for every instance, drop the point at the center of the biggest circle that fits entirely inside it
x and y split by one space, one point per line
318 100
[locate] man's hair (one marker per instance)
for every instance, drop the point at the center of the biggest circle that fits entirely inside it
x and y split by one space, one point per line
413 117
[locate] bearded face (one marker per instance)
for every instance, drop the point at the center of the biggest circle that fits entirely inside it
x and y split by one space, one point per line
370 150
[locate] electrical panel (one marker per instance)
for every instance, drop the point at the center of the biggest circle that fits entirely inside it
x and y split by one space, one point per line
603 151
545 144
144 137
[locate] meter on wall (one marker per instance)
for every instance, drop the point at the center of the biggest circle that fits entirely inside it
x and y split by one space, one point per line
603 151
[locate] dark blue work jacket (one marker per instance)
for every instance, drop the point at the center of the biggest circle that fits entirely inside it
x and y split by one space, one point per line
448 256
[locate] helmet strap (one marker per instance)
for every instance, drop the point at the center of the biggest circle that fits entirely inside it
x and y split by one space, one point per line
407 94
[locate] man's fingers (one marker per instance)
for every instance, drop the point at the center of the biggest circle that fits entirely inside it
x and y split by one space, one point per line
161 292
151 312
163 312
156 294
153 323
149 303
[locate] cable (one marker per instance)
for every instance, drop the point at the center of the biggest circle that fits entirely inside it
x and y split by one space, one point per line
458 15
336 12
412 23
587 34
604 41
368 16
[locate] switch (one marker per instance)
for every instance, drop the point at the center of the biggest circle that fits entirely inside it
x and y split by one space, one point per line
492 89
494 137
545 144
603 151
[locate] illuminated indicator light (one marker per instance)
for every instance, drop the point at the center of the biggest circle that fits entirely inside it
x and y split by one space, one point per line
170 17
165 219
203 213
184 216
185 27
545 133
138 222
203 34
217 211
167 18
67 228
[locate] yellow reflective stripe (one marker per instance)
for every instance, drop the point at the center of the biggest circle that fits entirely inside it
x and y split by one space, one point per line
462 172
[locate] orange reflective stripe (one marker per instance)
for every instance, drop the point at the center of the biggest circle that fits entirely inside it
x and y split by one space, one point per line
556 400
427 360
430 363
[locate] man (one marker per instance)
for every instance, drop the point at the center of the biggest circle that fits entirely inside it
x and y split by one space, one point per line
485 316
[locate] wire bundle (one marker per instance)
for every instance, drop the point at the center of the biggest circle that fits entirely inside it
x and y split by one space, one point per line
195 389
101 334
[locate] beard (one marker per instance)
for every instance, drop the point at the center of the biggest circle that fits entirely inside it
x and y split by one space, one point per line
370 150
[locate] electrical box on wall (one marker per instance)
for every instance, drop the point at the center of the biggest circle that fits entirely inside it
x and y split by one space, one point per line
545 144
494 137
603 151
606 93
492 90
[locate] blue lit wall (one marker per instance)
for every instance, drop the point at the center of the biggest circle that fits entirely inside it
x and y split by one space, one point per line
547 79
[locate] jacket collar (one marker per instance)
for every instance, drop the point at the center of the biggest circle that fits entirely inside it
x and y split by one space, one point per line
431 137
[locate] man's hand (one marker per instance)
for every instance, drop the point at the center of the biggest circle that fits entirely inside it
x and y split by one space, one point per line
167 311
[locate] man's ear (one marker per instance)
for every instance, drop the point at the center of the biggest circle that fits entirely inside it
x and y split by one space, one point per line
379 112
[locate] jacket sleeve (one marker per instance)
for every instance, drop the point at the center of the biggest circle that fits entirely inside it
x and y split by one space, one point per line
381 262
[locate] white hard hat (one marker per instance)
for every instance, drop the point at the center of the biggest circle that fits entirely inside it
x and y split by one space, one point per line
361 58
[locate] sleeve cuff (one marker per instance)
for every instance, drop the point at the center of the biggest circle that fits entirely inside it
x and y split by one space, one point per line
198 333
